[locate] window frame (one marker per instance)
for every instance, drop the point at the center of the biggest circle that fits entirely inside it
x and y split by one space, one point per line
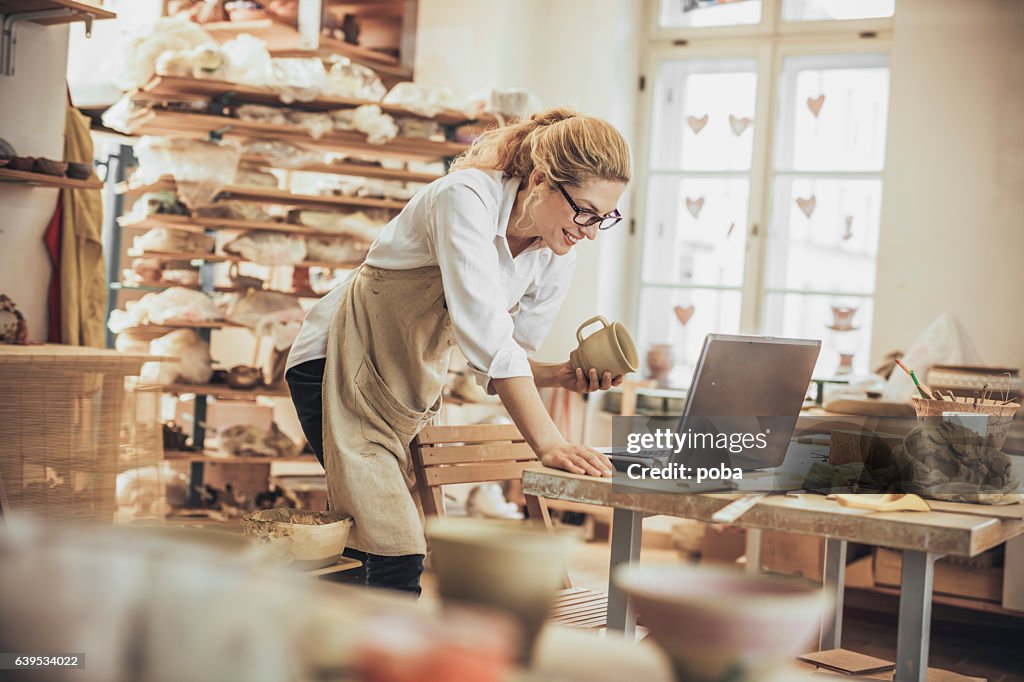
768 44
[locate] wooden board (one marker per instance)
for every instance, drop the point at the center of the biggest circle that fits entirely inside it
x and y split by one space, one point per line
268 195
229 258
213 456
849 662
224 391
344 564
490 452
98 13
998 511
52 357
469 434
939 532
43 180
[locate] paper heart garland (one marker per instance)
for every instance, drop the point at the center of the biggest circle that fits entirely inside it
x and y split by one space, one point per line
738 125
697 124
695 206
815 104
848 232
684 314
807 205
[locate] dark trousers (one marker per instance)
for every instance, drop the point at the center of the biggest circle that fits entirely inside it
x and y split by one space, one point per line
305 382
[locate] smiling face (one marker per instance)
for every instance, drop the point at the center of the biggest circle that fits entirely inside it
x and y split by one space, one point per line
552 216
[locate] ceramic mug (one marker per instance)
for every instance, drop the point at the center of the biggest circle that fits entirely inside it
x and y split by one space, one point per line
610 349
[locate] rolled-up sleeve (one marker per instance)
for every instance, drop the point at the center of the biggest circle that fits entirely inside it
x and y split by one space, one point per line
463 227
541 303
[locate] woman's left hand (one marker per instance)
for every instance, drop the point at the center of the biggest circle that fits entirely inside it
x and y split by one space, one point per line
574 379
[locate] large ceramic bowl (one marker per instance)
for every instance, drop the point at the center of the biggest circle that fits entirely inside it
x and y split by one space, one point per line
500 565
720 624
300 538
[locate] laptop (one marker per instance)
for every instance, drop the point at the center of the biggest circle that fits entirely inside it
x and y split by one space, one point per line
749 384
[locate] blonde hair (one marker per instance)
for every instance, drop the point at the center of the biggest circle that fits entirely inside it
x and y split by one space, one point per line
566 146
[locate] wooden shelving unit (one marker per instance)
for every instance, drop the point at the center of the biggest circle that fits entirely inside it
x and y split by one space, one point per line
201 126
225 391
230 258
178 89
76 10
269 195
221 458
43 180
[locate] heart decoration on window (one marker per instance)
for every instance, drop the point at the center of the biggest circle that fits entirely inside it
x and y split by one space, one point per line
807 205
684 314
728 233
697 124
738 125
848 232
695 206
815 104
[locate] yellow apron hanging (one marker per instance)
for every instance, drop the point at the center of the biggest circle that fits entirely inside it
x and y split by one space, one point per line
387 358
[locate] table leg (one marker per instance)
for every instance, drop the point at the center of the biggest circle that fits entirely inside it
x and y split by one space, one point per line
914 629
753 546
835 580
627 528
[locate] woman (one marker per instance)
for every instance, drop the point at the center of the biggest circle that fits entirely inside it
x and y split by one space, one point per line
481 257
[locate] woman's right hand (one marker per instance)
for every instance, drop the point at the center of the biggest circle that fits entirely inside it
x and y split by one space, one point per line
577 459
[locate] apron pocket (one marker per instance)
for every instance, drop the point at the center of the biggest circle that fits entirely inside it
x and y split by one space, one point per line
402 421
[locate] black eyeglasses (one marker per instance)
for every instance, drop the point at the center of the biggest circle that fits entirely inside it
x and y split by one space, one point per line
586 218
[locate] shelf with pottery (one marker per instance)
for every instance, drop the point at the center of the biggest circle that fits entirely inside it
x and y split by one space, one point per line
224 391
43 180
286 41
174 88
201 224
202 126
349 168
269 195
188 324
63 11
163 286
229 258
216 456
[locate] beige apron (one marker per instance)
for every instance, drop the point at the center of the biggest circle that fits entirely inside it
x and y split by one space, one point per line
387 358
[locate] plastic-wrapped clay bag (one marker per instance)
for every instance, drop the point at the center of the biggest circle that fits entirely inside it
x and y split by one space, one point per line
164 202
254 176
248 61
348 79
298 79
359 224
173 241
234 210
205 61
317 125
426 100
369 120
332 250
268 248
200 168
282 154
194 364
258 113
180 304
269 313
118 116
133 62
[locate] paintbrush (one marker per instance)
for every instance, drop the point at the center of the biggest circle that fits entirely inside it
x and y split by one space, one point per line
921 388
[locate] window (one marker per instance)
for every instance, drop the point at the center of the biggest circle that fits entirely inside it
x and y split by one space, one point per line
763 177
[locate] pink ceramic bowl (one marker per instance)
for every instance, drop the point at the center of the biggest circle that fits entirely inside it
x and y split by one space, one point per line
718 624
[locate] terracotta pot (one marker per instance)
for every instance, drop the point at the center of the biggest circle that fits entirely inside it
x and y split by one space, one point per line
660 362
720 624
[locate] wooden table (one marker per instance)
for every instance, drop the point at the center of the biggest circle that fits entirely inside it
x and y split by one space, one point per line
923 538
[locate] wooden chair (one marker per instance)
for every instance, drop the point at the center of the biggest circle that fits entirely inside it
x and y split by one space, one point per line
445 455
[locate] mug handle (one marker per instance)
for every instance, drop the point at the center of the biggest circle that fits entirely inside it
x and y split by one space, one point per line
595 318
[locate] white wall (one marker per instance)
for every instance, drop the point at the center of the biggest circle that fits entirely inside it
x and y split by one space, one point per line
953 212
580 53
32 120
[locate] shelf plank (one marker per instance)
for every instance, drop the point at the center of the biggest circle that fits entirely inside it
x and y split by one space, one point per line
161 286
173 123
360 170
225 391
163 88
18 6
43 180
229 258
201 224
226 458
267 195
175 324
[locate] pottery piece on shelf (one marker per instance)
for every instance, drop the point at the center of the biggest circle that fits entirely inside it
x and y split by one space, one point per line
660 362
22 163
244 377
13 328
6 149
79 171
50 167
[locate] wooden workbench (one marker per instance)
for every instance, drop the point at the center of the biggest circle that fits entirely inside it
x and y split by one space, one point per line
923 538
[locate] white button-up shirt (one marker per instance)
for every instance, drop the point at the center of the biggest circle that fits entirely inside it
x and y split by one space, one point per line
501 307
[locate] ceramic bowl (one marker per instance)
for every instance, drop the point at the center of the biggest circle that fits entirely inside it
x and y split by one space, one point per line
720 624
22 163
300 538
502 566
50 167
79 171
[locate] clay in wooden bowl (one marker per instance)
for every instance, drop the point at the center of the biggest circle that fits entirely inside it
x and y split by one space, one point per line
298 537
